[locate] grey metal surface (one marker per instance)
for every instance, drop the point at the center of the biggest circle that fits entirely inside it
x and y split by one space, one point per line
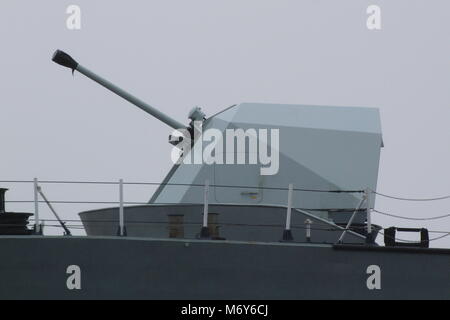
320 147
236 222
136 268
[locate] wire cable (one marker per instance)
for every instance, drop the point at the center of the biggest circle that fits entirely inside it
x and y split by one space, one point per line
80 226
179 184
410 199
411 218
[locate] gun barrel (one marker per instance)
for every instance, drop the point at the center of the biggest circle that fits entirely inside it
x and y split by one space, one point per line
65 60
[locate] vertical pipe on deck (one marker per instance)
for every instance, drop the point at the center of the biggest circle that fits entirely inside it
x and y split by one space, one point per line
308 223
369 239
204 233
287 233
37 226
205 204
121 219
289 207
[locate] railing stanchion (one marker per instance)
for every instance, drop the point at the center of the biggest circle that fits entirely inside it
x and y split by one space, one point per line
37 226
204 233
369 236
287 233
122 231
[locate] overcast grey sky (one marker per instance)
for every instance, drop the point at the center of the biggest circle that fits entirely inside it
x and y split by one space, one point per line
178 54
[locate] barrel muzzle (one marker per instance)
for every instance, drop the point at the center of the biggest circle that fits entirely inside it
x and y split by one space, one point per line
63 59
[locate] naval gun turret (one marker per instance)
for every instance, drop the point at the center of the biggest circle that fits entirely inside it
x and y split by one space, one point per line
328 154
195 114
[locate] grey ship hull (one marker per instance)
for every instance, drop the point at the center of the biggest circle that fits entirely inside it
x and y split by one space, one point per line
34 267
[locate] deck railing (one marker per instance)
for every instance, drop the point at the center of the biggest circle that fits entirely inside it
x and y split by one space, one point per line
40 197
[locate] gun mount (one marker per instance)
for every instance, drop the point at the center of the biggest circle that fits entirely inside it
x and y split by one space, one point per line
312 148
66 60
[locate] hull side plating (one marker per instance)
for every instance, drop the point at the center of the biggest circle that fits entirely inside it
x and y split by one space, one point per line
137 268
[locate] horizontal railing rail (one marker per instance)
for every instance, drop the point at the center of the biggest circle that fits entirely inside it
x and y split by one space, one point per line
180 184
40 198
